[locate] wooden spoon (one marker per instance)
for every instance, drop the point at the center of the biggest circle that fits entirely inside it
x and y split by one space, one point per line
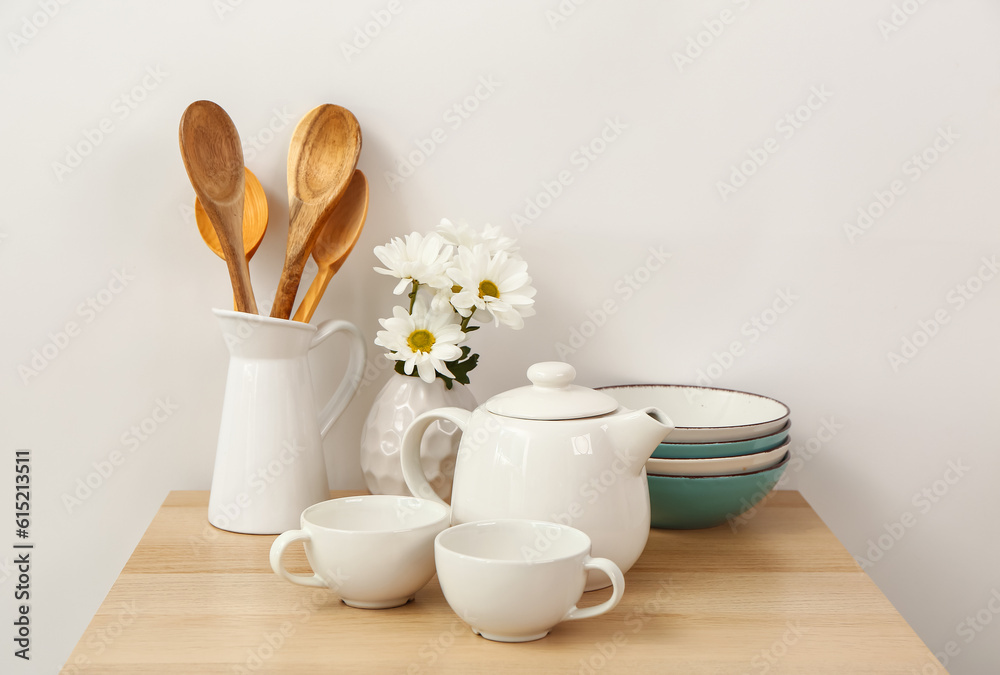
321 159
336 241
254 219
213 158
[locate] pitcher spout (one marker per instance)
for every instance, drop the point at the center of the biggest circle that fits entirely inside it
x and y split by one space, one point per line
637 433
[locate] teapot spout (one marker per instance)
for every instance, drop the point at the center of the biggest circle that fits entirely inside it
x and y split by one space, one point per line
636 435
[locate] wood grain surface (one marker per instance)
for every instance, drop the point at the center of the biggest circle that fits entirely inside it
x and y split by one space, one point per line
777 593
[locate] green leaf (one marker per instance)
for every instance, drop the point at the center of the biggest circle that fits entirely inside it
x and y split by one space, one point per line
460 369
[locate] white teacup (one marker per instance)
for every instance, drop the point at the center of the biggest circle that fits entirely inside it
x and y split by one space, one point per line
514 580
374 551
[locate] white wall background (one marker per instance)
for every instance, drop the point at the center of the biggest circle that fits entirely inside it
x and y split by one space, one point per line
559 77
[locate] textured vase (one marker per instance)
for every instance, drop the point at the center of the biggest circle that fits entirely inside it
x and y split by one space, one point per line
403 398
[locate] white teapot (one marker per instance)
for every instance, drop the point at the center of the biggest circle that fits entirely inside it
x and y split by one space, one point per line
551 451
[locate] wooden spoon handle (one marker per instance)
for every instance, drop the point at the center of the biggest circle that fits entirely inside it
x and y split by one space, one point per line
288 284
239 275
245 302
314 294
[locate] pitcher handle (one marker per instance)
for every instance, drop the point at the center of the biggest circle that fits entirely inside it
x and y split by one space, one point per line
352 378
409 452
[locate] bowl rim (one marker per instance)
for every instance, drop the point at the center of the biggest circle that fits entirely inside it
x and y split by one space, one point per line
719 460
783 430
784 460
695 386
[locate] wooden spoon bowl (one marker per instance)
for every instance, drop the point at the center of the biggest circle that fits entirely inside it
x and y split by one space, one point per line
336 241
254 219
213 159
321 160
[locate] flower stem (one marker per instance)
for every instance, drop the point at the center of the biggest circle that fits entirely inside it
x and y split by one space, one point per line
413 295
465 322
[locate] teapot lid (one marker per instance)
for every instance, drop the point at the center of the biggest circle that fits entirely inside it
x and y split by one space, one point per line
551 396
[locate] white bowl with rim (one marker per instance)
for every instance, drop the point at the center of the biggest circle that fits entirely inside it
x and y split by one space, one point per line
717 466
705 414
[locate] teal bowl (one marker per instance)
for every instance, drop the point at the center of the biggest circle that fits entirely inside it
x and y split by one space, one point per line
726 449
695 502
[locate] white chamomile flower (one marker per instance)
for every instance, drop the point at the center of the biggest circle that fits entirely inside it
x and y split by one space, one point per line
423 340
441 300
416 258
461 234
496 284
496 241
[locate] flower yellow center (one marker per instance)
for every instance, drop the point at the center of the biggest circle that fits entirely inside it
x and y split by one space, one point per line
421 340
487 287
456 289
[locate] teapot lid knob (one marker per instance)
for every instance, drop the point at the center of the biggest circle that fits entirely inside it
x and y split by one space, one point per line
551 374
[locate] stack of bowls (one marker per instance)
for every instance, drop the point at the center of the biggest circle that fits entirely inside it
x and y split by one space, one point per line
727 451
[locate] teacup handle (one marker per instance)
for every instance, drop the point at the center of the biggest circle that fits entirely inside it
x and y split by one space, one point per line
277 553
352 378
617 586
409 451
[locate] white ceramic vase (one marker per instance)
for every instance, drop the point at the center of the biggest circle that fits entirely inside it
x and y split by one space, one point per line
401 400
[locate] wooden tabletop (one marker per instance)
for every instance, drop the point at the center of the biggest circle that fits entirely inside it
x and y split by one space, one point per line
775 594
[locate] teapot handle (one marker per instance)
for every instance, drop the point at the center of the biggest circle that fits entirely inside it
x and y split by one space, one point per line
352 377
409 453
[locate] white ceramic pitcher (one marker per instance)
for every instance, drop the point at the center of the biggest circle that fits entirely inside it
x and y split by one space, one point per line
269 463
